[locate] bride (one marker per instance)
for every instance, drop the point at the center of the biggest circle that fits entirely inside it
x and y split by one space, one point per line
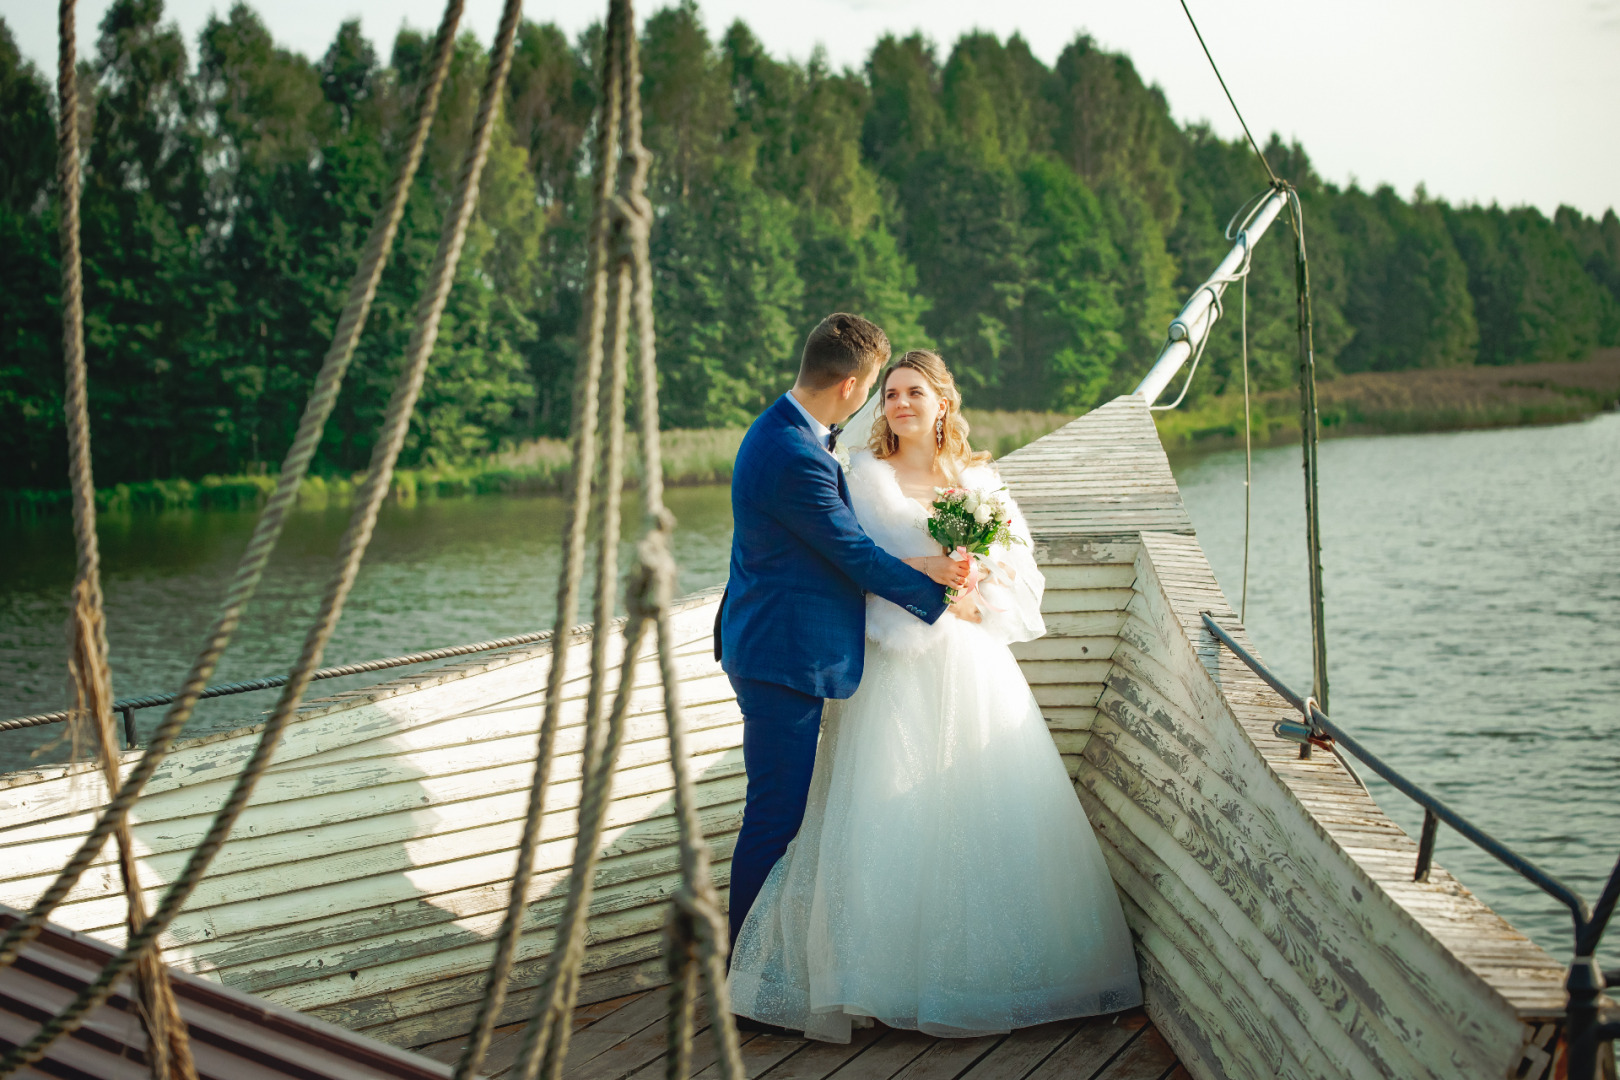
945 878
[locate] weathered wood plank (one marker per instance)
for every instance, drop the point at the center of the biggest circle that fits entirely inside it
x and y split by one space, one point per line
1093 1045
1147 1058
948 1059
1225 669
819 1060
1065 648
1019 1053
1100 576
628 1055
1057 601
886 1056
759 1055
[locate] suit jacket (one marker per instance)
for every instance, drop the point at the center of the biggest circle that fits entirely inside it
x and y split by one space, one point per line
794 612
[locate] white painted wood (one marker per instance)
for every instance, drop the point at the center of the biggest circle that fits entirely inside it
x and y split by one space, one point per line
369 872
1278 931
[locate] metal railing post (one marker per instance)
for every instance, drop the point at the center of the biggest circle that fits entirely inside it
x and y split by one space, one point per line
1431 827
1584 1034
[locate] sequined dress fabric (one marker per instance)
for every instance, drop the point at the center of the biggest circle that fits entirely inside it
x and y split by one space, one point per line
945 878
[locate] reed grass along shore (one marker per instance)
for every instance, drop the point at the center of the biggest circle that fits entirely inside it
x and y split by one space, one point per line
1387 403
1369 403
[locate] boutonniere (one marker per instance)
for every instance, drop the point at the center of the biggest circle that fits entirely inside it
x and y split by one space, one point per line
841 456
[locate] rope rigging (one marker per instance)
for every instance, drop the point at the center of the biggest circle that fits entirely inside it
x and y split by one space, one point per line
1275 182
1309 419
620 279
267 530
141 942
169 1045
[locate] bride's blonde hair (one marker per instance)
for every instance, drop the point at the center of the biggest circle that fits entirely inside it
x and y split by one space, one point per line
952 438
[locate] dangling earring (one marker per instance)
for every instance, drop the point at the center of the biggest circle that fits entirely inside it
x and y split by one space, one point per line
939 432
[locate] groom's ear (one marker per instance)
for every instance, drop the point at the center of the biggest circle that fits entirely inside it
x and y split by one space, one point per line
848 386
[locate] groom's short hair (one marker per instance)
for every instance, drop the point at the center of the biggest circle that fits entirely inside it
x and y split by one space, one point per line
842 345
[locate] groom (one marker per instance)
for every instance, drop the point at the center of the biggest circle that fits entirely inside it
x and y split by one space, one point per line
791 629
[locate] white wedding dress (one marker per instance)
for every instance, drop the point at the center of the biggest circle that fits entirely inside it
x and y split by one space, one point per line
945 878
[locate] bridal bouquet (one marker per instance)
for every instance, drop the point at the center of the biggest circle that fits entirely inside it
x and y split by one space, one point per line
966 519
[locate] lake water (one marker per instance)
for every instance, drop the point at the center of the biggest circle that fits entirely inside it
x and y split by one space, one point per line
443 572
1472 586
1473 611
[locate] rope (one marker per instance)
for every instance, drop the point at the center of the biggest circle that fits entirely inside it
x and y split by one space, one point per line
268 529
350 551
1248 451
1237 230
168 1045
697 935
620 279
570 572
1216 68
1310 438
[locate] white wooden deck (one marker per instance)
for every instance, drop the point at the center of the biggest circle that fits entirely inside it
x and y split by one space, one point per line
1278 930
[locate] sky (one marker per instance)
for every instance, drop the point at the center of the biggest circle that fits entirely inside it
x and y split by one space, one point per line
1508 101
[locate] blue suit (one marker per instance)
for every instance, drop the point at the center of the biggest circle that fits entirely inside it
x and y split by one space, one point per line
791 629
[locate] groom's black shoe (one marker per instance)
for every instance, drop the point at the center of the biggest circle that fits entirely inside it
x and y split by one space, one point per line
760 1027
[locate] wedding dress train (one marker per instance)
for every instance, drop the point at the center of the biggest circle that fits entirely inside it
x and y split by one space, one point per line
945 878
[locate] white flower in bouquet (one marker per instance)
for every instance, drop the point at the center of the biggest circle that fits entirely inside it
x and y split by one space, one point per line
841 455
971 521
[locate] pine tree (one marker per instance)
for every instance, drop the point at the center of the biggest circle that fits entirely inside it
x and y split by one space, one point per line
1533 300
32 448
1406 286
148 295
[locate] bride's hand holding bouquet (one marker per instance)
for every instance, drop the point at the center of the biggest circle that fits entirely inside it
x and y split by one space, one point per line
969 521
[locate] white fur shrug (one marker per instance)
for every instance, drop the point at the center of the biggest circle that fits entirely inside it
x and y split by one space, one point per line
1011 587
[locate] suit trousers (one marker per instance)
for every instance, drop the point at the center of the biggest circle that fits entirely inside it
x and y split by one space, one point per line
780 730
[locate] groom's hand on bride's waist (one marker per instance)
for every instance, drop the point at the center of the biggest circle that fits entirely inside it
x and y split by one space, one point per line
944 569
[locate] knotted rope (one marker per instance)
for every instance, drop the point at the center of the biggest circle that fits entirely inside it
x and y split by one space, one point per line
168 1052
351 548
267 531
620 278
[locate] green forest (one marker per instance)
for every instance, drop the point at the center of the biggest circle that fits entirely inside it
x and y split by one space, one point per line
1038 225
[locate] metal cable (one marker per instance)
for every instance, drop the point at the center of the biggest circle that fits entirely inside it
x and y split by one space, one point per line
168 1045
1248 450
267 531
272 681
351 549
1216 68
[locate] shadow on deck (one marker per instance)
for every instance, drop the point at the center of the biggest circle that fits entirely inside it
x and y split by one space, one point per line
623 1039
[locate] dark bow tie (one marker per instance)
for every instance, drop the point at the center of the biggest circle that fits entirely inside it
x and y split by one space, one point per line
832 436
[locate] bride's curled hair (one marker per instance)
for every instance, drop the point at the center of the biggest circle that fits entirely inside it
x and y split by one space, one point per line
954 451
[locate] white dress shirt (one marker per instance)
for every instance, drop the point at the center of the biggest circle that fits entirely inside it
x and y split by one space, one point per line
821 430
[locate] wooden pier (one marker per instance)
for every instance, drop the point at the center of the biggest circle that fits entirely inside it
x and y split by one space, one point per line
1278 928
623 1039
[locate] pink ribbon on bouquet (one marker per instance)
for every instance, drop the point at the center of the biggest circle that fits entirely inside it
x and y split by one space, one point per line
974 576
